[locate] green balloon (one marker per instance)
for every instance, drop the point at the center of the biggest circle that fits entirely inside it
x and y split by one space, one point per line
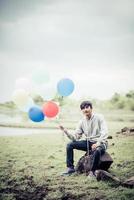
40 76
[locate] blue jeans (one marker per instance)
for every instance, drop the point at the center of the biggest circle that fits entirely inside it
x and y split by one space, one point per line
82 145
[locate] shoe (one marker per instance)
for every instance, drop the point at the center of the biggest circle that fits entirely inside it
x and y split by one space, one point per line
68 172
92 175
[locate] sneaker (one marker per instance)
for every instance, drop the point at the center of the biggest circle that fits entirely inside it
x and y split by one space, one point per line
68 172
92 175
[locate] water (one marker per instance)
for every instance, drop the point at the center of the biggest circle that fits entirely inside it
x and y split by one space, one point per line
8 118
9 131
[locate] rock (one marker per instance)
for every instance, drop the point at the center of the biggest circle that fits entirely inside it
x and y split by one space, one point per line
84 163
102 175
129 182
80 165
131 129
105 161
126 131
109 137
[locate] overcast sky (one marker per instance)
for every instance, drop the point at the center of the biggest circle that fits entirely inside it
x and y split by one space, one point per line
91 42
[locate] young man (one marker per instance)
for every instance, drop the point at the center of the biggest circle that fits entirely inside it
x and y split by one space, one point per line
93 127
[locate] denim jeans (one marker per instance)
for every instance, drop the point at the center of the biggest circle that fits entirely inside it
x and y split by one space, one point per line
82 145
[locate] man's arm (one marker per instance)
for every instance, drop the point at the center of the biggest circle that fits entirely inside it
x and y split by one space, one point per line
78 132
70 136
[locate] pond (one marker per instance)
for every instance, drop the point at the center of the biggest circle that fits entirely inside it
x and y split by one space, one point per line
9 131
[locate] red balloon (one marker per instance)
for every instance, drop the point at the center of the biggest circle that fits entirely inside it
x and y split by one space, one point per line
50 109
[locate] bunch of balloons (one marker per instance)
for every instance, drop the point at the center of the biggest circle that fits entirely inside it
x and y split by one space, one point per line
49 109
24 87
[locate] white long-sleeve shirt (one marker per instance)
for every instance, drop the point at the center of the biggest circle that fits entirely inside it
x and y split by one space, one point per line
94 129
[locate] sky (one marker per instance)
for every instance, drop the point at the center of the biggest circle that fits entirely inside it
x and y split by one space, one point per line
90 42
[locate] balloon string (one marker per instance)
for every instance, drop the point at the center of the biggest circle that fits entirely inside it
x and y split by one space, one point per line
57 121
63 134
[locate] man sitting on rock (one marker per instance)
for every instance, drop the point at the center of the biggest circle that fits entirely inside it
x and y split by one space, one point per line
94 128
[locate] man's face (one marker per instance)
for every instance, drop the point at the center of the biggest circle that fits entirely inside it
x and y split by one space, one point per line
87 111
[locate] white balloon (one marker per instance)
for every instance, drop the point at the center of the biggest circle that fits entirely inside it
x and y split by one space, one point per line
24 83
20 97
28 105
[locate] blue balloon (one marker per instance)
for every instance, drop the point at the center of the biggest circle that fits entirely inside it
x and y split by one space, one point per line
65 87
35 114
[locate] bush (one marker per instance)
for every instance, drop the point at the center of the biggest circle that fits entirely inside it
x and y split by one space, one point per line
121 104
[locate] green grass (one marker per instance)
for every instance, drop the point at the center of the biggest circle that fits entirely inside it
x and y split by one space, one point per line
30 166
42 157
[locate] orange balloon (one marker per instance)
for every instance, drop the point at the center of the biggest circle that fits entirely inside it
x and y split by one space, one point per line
50 109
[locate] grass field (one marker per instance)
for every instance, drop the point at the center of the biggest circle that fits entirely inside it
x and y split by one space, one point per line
30 166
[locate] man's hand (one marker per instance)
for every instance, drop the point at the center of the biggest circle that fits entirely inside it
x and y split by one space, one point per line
61 127
94 146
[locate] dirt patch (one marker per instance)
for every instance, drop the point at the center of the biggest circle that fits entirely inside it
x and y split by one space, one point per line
126 163
68 196
25 189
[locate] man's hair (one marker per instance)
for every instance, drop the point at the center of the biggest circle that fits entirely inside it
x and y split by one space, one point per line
86 104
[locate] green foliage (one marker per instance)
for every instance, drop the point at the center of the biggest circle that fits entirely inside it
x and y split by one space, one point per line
8 104
115 98
130 104
59 99
119 101
38 99
130 94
